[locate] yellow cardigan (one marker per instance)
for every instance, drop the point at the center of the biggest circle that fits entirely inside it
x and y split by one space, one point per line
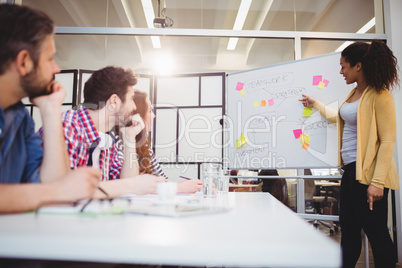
376 134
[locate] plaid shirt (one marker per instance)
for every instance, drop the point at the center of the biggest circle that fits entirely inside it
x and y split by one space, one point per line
79 133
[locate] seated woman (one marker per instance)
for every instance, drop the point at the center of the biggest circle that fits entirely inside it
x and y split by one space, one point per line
146 162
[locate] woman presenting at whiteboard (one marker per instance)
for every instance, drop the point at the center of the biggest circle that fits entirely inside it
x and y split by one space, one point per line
366 123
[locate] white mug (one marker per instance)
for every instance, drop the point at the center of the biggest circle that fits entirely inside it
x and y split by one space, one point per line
166 190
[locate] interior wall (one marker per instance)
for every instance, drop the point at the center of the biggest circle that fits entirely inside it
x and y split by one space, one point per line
393 25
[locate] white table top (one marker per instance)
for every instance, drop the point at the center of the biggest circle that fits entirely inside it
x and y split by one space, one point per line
257 231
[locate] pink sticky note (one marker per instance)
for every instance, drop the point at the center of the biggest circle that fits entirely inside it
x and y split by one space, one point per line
271 102
297 133
317 79
326 82
239 86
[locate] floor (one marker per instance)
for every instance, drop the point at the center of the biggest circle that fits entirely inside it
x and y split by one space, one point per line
361 263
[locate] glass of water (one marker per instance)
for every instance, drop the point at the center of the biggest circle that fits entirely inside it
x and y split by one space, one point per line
210 174
223 183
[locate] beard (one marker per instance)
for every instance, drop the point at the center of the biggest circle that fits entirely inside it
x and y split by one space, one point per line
33 87
126 119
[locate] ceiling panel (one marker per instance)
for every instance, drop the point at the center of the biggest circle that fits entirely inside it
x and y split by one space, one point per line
196 54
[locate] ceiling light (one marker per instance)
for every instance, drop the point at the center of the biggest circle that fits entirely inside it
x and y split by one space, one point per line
240 19
363 29
149 17
163 64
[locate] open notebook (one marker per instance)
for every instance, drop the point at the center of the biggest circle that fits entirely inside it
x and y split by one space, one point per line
182 206
175 210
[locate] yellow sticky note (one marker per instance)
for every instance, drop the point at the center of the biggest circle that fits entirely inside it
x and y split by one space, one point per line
243 140
307 112
242 92
305 146
304 138
321 85
255 104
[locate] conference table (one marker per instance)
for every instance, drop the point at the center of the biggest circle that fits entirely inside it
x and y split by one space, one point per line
252 230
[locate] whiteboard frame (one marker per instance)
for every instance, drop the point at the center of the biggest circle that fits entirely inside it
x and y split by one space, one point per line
226 150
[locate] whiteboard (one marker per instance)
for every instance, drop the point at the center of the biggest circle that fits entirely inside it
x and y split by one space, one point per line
262 104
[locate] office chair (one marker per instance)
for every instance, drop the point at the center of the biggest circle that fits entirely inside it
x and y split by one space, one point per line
326 203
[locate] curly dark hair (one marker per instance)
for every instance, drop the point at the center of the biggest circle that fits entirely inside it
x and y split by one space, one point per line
104 83
379 65
22 28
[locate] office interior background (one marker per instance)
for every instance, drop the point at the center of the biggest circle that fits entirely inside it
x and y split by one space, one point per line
202 40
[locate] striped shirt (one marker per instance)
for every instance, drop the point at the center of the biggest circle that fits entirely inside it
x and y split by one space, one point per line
156 168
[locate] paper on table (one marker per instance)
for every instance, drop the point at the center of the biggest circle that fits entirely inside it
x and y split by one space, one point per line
175 210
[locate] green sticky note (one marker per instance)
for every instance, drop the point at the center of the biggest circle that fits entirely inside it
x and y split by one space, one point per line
238 144
307 112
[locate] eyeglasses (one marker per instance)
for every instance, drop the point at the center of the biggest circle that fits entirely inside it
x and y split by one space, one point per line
90 200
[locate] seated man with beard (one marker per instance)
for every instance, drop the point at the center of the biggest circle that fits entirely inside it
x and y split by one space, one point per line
27 69
108 103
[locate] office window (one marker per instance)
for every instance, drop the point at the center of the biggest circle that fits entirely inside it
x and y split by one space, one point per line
165 134
187 126
177 91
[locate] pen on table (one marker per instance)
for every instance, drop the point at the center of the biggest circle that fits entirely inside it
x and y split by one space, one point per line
103 191
185 178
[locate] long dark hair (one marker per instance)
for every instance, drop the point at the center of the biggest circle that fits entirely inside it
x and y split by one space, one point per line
22 28
142 139
379 65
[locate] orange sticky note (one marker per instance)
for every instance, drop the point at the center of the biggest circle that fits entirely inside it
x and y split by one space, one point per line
305 146
263 103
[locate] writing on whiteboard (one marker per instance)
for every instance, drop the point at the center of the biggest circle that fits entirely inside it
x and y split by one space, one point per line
281 79
289 92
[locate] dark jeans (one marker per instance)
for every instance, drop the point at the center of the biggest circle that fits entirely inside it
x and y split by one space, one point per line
355 214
